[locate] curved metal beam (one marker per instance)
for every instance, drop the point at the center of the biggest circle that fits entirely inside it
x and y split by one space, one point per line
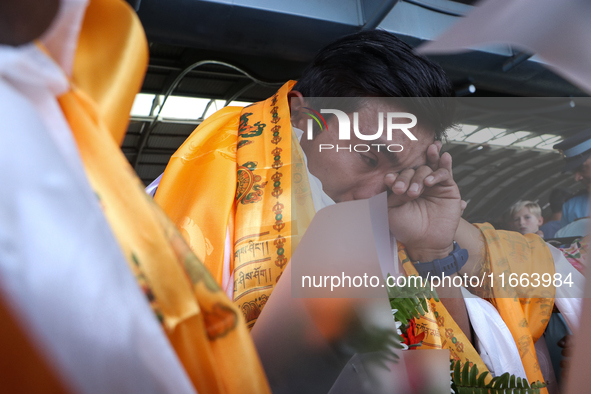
378 16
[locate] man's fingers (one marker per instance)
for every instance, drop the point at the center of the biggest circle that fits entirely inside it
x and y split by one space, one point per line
446 162
410 181
389 180
402 182
463 205
442 176
433 155
434 161
564 341
397 200
418 181
406 186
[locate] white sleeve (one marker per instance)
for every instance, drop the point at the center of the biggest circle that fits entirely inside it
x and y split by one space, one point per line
62 272
152 187
497 346
568 298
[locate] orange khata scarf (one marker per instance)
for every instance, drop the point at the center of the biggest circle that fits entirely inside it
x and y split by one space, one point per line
233 177
526 317
204 327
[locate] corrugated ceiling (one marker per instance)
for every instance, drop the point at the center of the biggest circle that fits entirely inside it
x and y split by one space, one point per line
273 44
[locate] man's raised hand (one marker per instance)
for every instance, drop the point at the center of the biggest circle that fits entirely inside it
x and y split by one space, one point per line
424 207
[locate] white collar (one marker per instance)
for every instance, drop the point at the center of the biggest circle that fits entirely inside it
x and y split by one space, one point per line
30 69
61 39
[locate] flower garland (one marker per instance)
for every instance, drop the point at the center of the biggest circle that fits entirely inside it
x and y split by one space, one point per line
408 303
407 332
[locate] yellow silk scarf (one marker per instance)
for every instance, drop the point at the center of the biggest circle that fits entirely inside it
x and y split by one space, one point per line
525 311
204 327
441 331
229 189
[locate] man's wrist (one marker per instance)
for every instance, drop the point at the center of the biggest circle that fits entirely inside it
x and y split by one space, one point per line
447 265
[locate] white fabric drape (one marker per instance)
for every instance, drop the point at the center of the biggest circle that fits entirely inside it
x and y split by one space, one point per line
61 269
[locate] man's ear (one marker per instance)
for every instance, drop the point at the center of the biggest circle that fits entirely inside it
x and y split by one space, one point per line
296 105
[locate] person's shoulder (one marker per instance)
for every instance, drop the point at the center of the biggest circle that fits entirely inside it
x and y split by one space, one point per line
550 228
582 193
578 228
580 196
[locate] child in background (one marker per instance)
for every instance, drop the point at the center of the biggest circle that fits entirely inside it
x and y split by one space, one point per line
526 217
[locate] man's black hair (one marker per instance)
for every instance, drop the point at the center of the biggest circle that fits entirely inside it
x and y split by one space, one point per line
377 64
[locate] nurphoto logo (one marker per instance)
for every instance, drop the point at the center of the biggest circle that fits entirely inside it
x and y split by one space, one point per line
402 121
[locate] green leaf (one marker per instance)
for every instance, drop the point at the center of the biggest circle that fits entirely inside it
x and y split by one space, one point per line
466 374
433 294
457 374
404 316
424 304
410 301
526 384
473 375
480 382
501 383
411 307
419 306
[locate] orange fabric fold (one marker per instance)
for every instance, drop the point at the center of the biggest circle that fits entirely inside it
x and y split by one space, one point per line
111 31
526 311
202 199
229 188
441 330
204 327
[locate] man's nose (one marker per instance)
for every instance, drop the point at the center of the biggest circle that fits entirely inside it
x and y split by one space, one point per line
578 176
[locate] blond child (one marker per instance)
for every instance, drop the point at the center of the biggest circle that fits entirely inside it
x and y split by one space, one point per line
526 217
